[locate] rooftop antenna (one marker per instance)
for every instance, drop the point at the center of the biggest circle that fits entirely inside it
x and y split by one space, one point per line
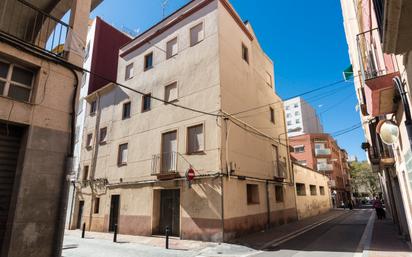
164 6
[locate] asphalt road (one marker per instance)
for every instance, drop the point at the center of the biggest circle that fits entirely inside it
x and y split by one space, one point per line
337 238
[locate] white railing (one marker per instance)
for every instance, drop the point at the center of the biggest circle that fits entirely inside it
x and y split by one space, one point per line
164 163
325 151
324 167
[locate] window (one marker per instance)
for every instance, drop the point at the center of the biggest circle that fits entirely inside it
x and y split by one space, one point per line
272 115
96 205
296 105
319 146
300 189
122 154
299 149
103 135
252 191
146 102
302 162
297 113
268 79
171 92
195 139
297 121
85 172
245 53
171 48
126 110
289 122
288 115
287 107
322 190
89 140
148 61
312 190
15 81
93 107
279 194
129 71
196 34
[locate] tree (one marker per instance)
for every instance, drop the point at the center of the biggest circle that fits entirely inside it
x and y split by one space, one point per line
363 180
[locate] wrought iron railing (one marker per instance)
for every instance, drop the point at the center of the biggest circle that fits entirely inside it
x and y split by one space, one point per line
374 63
165 163
24 21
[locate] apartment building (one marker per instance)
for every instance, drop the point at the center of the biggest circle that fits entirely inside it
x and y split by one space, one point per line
38 89
301 117
378 35
101 58
208 68
321 153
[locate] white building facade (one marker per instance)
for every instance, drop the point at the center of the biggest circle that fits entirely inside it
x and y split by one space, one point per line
301 118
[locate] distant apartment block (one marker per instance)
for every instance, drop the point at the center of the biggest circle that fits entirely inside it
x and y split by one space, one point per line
137 150
301 117
321 153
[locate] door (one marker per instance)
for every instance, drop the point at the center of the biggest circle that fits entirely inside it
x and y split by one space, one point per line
170 211
114 212
169 151
80 215
10 137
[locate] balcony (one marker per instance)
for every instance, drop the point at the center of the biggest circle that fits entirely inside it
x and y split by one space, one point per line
24 22
325 167
325 151
378 70
166 165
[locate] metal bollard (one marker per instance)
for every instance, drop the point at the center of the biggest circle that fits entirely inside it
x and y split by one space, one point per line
115 233
83 229
167 237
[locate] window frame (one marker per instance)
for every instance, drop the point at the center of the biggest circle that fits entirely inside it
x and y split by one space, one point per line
321 190
131 75
104 140
8 81
299 192
298 147
177 92
85 173
254 189
89 141
145 67
177 45
144 97
200 151
245 57
96 205
203 33
282 198
313 192
272 115
124 117
121 162
93 108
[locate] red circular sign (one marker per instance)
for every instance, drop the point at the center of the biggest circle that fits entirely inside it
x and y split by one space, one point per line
190 175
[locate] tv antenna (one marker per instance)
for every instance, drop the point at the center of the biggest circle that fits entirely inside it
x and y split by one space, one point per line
164 6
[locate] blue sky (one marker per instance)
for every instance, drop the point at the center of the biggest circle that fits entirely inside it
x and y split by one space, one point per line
305 39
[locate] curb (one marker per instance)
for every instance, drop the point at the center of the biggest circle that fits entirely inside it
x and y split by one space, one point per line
298 232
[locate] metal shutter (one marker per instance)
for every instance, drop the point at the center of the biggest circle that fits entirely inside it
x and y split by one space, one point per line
9 150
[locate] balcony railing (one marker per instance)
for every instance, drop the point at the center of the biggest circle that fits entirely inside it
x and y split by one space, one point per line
377 70
325 151
324 167
280 169
25 22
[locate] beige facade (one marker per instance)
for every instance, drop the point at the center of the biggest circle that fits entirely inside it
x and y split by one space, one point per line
313 196
37 100
239 162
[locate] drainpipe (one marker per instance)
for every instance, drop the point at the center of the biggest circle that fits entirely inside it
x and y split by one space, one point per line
404 98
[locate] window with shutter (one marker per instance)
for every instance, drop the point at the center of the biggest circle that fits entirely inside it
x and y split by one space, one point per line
171 92
195 139
196 34
171 48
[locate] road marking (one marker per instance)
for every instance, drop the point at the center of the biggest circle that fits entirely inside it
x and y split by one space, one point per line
364 244
298 232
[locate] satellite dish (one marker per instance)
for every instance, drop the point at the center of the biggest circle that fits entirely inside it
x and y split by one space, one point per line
388 131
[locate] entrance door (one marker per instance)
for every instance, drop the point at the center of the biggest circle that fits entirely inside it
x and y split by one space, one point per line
169 151
10 137
170 211
80 215
114 212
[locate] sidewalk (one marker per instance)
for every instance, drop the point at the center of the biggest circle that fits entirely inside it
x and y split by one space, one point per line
282 233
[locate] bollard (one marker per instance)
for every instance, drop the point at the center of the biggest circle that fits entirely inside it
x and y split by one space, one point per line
84 229
115 233
167 237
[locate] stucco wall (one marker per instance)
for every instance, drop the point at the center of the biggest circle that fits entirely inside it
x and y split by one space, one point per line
311 205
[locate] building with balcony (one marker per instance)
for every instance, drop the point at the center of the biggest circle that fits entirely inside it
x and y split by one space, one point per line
101 59
320 152
301 117
40 75
378 34
186 78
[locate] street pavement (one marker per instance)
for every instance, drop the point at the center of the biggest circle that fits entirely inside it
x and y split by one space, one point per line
335 234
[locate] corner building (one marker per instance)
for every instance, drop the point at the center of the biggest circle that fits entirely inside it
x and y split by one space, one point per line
137 149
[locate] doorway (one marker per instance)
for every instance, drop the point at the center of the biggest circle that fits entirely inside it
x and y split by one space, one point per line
80 215
170 211
114 212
